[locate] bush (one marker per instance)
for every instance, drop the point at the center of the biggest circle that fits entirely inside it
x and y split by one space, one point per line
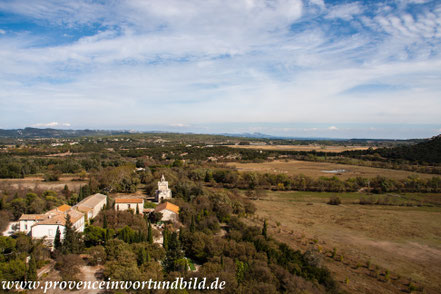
335 200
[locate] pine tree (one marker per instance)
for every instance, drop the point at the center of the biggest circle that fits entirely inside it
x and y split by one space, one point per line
32 269
150 234
57 241
265 229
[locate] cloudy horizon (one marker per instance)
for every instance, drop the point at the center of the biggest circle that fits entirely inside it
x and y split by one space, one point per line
313 68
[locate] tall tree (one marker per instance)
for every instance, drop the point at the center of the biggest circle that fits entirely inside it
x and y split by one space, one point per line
104 221
150 234
32 269
71 240
165 238
174 258
265 229
57 241
192 225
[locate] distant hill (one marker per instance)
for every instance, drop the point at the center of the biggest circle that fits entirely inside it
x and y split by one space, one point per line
28 133
426 151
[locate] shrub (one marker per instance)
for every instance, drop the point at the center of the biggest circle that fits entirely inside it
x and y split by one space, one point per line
335 200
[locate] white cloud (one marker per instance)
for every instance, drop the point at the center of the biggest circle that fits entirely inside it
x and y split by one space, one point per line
332 128
179 125
2 32
345 11
51 125
220 61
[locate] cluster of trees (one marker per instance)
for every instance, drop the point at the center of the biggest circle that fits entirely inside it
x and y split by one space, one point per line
250 180
20 257
28 202
426 152
18 167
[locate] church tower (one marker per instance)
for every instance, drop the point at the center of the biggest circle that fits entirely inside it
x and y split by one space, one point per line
163 191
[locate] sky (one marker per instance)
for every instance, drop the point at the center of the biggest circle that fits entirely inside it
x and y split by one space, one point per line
311 68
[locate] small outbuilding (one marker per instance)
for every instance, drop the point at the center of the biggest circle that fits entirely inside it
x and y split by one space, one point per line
170 211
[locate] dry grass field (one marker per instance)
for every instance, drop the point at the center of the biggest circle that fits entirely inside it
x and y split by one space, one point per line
322 148
406 241
37 183
319 169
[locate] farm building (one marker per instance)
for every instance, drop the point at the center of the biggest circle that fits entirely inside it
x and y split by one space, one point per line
47 228
45 225
92 205
169 211
129 203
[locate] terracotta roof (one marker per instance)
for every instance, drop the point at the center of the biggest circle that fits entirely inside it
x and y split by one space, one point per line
60 219
63 208
129 200
33 216
169 206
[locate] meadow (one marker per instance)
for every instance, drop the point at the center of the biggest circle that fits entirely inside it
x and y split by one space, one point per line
369 248
326 169
310 147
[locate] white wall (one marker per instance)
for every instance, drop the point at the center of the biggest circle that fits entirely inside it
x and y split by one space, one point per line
98 208
168 215
125 206
25 225
48 231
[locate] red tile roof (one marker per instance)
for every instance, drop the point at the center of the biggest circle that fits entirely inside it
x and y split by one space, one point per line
169 206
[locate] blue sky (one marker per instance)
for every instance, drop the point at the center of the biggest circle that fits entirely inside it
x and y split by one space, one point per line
312 68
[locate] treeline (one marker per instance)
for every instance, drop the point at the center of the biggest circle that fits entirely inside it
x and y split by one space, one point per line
19 167
229 178
425 153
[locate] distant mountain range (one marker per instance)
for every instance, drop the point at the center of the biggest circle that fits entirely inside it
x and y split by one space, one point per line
35 133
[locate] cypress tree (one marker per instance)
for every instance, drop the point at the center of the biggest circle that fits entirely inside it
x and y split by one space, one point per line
69 241
192 225
265 229
165 238
104 221
57 241
32 269
150 234
174 253
137 209
80 195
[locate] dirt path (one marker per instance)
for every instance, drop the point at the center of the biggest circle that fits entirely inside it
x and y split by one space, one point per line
92 274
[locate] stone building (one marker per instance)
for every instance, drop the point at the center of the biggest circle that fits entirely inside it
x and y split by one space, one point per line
163 192
129 203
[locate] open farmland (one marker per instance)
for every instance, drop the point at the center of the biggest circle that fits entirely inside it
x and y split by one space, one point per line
406 241
311 147
319 169
38 183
